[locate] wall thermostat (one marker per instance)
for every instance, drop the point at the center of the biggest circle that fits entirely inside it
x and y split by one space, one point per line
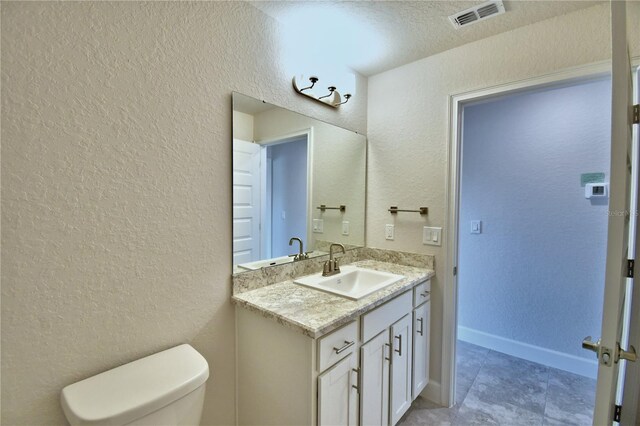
596 190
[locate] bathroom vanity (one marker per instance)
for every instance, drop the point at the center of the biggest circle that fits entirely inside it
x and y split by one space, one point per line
348 348
309 357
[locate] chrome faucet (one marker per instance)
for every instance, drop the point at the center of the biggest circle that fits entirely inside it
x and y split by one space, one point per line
301 255
331 266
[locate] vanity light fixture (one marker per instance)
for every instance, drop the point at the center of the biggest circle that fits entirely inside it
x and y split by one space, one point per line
333 98
331 90
313 81
347 96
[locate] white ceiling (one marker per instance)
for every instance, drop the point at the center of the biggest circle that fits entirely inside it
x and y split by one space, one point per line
374 36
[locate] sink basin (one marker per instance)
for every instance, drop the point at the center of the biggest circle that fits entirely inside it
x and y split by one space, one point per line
352 282
252 266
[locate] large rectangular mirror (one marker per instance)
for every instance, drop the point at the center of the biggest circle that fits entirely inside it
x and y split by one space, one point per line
297 181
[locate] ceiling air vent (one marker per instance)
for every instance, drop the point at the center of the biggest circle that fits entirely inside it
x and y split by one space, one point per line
476 14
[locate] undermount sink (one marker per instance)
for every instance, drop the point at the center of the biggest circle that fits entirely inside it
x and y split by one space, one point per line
352 282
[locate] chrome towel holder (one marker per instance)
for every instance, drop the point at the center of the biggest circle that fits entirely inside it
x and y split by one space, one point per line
421 210
341 207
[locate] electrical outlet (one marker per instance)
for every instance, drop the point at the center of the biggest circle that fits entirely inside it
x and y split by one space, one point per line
318 226
345 227
432 236
388 232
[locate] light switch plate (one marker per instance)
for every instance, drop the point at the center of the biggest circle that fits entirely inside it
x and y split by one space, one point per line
345 227
432 236
318 226
388 232
476 227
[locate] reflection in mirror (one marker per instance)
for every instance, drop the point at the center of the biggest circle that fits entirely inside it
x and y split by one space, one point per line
298 185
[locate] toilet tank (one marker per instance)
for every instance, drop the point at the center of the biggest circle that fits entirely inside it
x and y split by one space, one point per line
166 388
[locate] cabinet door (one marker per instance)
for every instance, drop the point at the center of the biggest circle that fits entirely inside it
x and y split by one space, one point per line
421 327
401 333
374 367
338 394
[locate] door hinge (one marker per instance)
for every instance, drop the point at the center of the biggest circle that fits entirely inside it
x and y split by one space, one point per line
636 114
455 271
617 411
630 265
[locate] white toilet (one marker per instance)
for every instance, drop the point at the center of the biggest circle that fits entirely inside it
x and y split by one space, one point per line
166 388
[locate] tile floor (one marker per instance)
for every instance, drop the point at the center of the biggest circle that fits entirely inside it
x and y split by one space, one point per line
498 389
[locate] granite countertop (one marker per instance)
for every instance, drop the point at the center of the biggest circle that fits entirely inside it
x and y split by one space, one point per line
314 312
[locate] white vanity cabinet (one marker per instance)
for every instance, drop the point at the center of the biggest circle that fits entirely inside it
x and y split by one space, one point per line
391 325
421 334
375 359
365 373
401 365
338 393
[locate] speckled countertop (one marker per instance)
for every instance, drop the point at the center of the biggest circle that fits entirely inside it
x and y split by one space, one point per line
314 312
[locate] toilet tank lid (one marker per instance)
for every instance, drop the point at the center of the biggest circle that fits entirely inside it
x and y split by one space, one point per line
133 390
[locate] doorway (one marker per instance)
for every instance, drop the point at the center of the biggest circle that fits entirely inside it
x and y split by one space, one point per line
450 290
457 103
271 195
532 250
285 195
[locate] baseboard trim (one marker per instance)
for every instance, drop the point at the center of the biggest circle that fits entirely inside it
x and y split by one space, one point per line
551 358
432 392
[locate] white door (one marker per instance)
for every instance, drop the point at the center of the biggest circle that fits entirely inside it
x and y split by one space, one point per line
400 368
338 394
374 367
619 221
420 348
631 380
246 201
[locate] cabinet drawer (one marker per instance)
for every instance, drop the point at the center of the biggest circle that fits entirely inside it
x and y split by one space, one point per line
383 316
421 293
336 345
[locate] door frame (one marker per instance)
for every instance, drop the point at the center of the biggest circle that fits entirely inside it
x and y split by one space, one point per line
285 138
456 104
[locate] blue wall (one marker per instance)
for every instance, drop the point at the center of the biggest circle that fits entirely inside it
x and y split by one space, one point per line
288 195
536 272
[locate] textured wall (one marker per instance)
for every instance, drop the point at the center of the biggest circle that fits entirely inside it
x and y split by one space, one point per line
540 258
116 192
408 123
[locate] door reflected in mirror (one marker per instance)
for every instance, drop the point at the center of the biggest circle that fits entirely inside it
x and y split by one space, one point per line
298 185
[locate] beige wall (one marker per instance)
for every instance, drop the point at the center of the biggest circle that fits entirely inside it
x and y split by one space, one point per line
242 126
408 123
116 192
116 128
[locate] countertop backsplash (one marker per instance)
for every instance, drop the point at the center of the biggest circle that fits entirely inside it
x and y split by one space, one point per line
263 277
